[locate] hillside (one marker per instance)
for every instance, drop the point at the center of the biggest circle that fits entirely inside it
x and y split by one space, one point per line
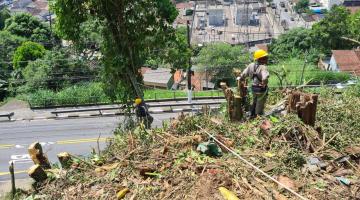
316 163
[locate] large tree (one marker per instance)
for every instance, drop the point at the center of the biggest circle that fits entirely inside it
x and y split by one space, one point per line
219 59
328 32
131 29
296 43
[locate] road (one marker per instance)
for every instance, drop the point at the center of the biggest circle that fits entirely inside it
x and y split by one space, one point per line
286 13
77 136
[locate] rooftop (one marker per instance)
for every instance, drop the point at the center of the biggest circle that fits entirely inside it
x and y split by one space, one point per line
159 75
348 60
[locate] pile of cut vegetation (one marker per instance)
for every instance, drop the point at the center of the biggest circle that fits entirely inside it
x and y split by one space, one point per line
181 160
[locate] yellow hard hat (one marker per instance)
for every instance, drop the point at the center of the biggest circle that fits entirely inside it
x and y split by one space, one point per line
260 54
138 101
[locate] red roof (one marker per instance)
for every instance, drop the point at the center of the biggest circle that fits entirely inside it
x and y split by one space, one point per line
353 9
348 60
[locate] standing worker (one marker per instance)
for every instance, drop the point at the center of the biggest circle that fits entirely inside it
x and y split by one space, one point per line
142 113
259 74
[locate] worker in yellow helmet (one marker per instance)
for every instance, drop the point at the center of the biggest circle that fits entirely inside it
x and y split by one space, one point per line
142 113
259 74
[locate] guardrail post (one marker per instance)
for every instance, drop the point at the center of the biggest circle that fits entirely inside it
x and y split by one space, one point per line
12 173
174 95
155 96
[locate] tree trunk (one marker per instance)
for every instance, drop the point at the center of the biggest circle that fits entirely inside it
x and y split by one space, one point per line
37 155
37 173
65 160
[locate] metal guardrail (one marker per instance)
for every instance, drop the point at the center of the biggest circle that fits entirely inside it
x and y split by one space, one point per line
94 100
122 107
8 115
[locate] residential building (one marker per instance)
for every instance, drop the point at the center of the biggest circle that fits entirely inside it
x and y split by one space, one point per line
345 61
200 80
161 78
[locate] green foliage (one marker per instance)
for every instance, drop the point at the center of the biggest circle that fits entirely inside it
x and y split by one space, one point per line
354 26
302 6
4 14
8 44
293 44
328 32
54 71
28 51
136 27
178 53
27 26
294 159
326 77
220 59
288 72
310 44
74 95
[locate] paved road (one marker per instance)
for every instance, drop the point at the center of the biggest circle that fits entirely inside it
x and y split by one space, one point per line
76 136
280 14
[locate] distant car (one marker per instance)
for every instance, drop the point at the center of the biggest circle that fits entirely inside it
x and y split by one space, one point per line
285 9
292 19
282 4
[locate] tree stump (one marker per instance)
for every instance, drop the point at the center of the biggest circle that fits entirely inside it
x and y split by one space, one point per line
293 99
304 105
37 173
65 160
306 109
37 155
234 103
238 108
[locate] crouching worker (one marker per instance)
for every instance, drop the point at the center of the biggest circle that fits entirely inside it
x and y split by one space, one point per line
259 74
142 113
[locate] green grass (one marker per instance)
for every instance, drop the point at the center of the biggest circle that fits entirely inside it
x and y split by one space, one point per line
292 70
93 93
169 94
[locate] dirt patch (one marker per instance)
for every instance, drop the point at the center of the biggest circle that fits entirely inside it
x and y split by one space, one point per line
14 104
207 186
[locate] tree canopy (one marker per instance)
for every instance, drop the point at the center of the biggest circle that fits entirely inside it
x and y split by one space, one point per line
28 51
324 36
219 59
55 70
131 29
328 32
29 27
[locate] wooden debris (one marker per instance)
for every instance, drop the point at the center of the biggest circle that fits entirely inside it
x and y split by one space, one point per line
38 156
37 173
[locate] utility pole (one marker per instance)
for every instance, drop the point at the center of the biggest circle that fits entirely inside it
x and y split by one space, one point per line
189 68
